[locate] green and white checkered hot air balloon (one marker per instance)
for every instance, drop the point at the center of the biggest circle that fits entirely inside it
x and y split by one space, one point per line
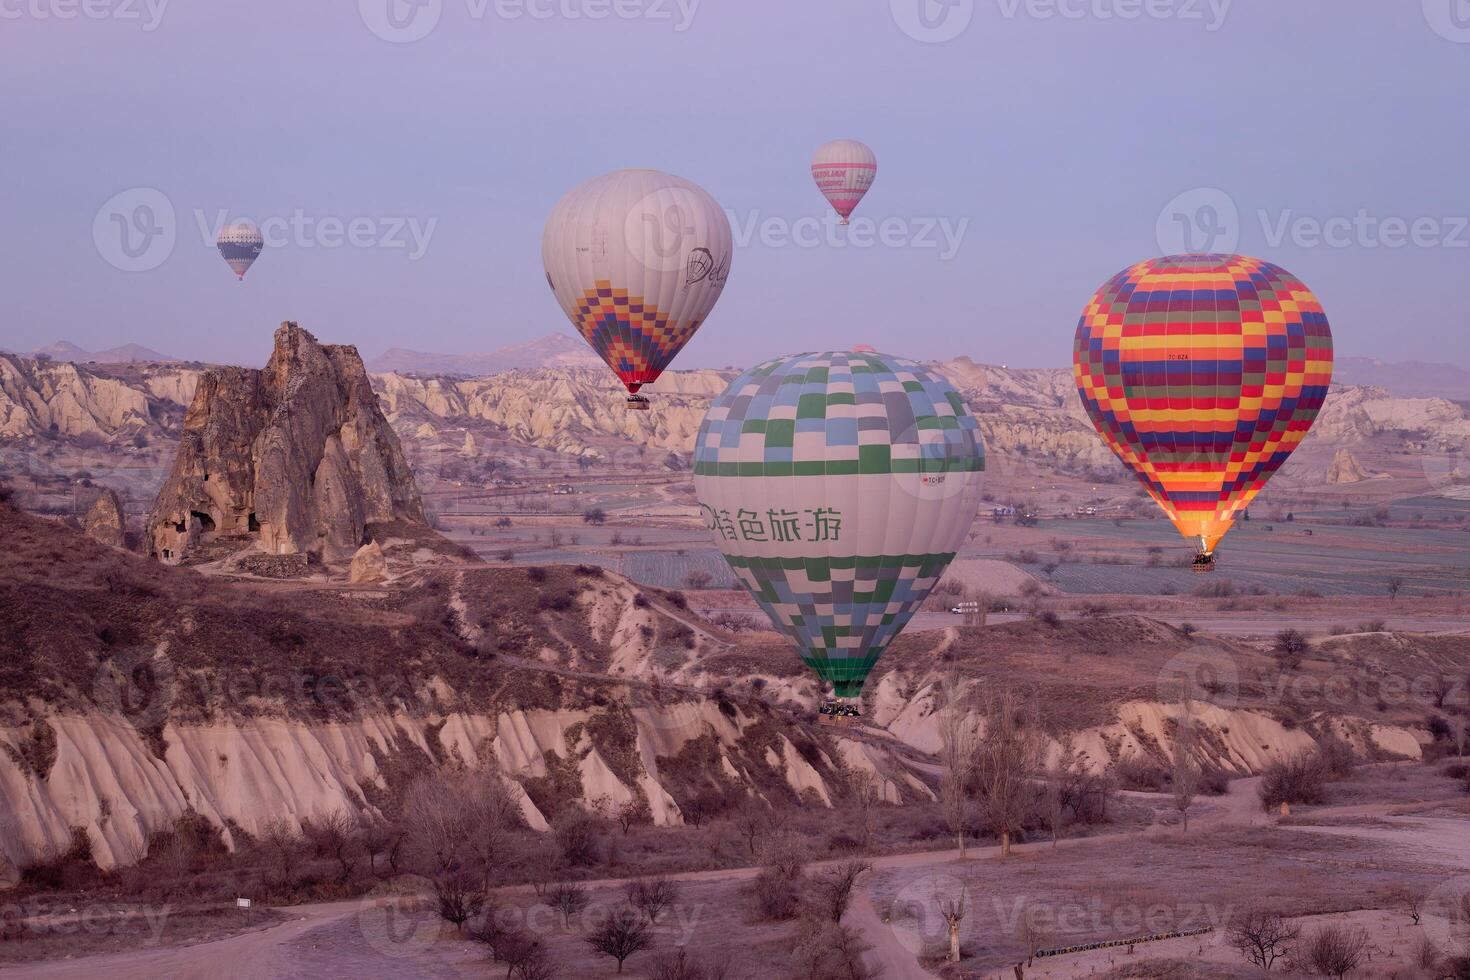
839 486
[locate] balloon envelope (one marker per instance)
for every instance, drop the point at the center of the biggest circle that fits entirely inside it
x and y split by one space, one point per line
637 259
240 243
844 170
839 486
1203 373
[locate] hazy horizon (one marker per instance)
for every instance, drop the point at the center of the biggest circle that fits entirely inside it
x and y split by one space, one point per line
1053 150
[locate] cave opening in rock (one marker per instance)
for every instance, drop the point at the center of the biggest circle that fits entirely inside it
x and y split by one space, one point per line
206 523
251 524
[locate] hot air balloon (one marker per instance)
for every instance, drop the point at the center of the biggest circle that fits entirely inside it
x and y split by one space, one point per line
637 259
839 486
844 170
240 243
1203 373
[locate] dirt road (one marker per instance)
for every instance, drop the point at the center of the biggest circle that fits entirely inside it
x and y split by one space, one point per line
327 940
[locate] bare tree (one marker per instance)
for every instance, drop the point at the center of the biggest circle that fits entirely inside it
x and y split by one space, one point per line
828 951
750 821
679 965
1006 761
1184 771
1262 936
633 811
1069 760
380 837
281 841
832 889
1412 902
1393 587
956 758
623 933
952 908
651 895
862 791
459 895
1335 950
459 818
1032 934
521 953
337 836
567 898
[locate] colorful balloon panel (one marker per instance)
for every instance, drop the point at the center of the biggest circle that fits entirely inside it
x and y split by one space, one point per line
839 486
637 259
240 244
844 170
1203 373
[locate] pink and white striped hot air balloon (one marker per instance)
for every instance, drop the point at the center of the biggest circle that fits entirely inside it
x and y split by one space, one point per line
844 170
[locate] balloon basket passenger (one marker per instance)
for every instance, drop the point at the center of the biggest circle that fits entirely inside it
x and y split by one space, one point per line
1203 562
840 712
637 403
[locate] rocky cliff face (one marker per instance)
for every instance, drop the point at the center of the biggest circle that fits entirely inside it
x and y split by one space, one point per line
567 410
57 398
297 455
104 521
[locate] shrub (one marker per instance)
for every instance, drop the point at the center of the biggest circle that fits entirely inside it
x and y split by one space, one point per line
620 935
578 839
1334 950
1302 778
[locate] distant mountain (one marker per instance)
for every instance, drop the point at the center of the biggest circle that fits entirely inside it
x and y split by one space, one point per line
1407 379
65 350
552 351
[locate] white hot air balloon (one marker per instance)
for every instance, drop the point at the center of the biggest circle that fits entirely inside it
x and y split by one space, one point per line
637 259
844 170
839 486
240 243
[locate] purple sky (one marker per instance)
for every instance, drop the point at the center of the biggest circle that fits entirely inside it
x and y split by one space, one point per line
1059 140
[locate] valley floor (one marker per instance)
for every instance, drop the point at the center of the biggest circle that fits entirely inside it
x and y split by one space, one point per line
1339 863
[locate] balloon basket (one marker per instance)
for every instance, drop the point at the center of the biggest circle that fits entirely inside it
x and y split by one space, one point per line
839 713
638 403
1202 564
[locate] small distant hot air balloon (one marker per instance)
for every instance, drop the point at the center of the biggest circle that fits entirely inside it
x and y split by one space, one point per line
864 349
1203 373
844 170
240 243
839 486
637 259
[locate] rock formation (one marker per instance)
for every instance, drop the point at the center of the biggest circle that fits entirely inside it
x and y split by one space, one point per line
104 521
1345 468
297 455
368 565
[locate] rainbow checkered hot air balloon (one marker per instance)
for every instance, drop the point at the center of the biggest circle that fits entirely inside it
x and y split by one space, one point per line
839 486
1203 373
